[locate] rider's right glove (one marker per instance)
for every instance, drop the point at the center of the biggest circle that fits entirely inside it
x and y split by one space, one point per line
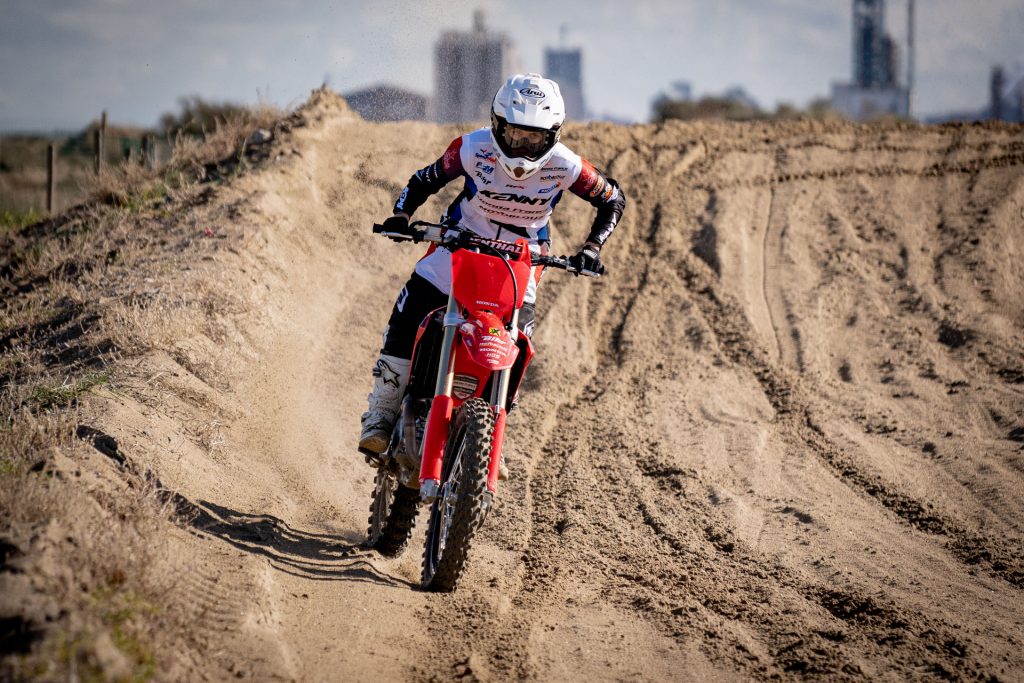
397 223
587 261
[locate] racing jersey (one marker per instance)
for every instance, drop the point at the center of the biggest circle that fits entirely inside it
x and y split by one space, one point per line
497 206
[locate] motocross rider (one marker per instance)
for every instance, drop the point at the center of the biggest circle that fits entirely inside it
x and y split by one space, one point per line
515 173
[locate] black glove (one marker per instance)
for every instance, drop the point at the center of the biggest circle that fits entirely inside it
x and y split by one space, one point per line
399 224
587 261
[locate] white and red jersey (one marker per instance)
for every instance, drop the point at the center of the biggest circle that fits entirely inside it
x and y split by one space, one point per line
497 206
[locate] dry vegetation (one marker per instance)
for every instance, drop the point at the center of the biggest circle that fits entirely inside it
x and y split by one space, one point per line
200 131
84 578
23 170
795 437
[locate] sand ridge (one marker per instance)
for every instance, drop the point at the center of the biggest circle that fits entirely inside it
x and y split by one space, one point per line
782 438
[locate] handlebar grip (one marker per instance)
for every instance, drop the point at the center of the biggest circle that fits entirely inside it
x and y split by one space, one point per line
415 236
563 263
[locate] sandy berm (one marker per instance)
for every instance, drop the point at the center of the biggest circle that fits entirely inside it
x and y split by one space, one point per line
781 439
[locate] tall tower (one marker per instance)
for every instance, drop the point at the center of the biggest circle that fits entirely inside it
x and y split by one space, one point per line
564 65
468 68
869 50
875 89
996 85
910 58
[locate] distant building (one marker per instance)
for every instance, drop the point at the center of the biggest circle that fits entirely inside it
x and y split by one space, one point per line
737 94
875 90
469 68
387 103
680 91
863 104
996 85
565 67
1006 95
869 44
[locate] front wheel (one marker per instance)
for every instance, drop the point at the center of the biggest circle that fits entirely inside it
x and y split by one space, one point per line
462 503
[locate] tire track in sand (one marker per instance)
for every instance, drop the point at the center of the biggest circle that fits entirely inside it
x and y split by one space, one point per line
786 396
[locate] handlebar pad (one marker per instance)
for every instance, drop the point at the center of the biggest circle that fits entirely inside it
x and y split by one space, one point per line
559 262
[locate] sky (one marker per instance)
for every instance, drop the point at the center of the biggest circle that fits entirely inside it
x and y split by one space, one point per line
64 61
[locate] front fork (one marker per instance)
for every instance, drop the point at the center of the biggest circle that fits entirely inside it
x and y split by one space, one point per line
436 435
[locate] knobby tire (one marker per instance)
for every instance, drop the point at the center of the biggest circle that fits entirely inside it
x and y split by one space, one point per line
466 461
392 514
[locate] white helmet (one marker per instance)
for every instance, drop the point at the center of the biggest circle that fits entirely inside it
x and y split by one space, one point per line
526 118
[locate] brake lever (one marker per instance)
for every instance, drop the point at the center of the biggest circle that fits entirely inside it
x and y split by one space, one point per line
457 241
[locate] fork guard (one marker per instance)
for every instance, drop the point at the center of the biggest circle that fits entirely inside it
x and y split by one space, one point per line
434 440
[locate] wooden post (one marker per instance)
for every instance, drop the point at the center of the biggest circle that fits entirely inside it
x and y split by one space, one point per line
51 195
97 154
102 146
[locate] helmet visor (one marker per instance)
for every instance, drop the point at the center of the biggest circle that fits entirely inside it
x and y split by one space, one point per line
530 143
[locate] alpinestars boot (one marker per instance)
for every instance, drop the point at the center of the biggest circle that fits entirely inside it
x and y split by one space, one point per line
390 375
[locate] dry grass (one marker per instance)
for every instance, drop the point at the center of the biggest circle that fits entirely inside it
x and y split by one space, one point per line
227 140
84 592
80 592
23 174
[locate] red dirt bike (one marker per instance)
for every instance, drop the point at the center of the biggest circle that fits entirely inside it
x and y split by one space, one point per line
447 442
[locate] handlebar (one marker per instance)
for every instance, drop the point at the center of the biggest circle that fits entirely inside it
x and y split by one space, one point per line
453 237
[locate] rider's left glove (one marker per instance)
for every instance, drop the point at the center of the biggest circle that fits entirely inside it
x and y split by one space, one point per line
398 223
587 261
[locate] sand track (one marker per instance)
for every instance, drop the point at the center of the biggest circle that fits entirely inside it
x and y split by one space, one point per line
781 439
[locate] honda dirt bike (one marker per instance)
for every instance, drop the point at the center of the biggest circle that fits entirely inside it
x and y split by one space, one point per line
467 363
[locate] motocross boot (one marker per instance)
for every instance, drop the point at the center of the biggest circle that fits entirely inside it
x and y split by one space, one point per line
390 376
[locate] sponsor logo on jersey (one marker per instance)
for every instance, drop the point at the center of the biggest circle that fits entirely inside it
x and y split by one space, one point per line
546 190
400 204
532 93
517 198
483 178
599 185
556 168
486 155
557 176
486 168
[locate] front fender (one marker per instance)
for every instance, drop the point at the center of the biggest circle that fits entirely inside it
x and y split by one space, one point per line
487 342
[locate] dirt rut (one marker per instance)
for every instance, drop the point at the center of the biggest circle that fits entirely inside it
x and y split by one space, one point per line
780 439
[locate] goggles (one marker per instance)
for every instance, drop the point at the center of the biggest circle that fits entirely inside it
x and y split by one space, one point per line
522 142
525 142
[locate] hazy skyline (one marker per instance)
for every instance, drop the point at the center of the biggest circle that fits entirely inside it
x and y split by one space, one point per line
64 62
